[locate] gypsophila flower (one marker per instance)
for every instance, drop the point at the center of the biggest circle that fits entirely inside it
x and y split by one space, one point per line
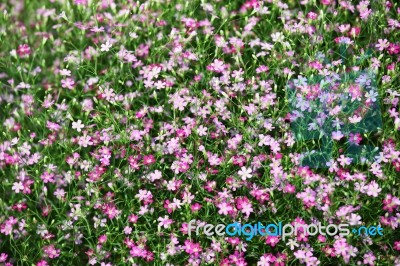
106 46
245 173
164 132
78 125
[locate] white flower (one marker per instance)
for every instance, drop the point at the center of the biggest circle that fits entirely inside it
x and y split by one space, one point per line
127 230
78 125
13 53
65 72
106 47
397 123
355 119
371 95
354 219
373 189
17 187
292 243
245 173
277 36
133 35
202 131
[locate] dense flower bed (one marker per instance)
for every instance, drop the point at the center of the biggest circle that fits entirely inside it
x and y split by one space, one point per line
128 124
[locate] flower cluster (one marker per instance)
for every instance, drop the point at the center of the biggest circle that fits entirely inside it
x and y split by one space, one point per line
124 120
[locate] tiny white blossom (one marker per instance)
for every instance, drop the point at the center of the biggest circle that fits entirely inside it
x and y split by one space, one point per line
106 47
78 125
245 173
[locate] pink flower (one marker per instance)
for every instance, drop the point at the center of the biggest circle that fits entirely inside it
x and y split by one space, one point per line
337 135
266 260
382 44
42 263
355 138
23 50
17 187
51 251
85 141
137 251
311 15
341 247
47 177
111 211
224 208
102 239
68 83
343 160
290 189
373 189
393 48
369 259
217 66
354 31
81 2
164 221
396 245
127 230
133 218
192 248
53 126
148 159
3 257
326 2
391 203
272 240
195 207
262 69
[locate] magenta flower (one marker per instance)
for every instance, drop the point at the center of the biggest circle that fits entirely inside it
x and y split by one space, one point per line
192 248
23 50
149 159
272 240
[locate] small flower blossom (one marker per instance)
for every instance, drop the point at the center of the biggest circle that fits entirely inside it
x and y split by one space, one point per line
245 173
68 83
78 125
106 46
